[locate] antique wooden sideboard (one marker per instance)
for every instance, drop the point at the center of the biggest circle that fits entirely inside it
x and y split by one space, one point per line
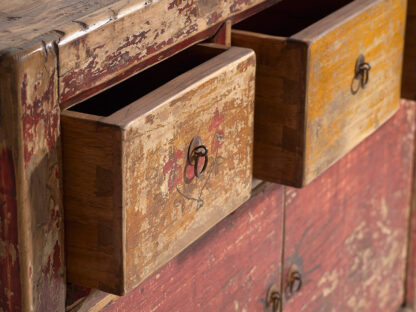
131 130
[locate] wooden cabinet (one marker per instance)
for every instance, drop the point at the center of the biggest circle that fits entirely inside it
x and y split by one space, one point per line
324 83
145 181
341 240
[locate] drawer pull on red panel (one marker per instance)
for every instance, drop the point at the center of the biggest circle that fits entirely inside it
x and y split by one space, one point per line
274 298
295 282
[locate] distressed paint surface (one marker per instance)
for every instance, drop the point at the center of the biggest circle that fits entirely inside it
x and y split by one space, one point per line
336 119
30 125
307 117
41 222
229 269
164 206
10 288
134 33
347 231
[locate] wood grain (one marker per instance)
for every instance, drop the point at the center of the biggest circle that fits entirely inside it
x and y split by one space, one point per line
306 115
409 58
35 277
132 201
346 232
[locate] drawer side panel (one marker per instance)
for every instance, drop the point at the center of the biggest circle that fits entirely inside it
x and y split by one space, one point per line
92 202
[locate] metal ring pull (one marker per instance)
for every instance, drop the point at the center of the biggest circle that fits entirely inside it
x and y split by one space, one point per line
200 151
364 70
274 298
361 74
197 151
295 282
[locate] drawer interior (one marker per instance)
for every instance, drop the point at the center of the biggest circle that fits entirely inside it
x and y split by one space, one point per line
288 17
111 100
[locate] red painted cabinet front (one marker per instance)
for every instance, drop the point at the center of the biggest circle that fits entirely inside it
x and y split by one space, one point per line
346 232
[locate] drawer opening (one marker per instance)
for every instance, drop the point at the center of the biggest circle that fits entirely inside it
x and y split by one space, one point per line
288 17
111 100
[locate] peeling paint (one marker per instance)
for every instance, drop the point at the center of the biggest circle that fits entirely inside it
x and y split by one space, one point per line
10 290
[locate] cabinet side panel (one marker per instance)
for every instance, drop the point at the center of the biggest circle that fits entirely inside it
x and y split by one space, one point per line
30 113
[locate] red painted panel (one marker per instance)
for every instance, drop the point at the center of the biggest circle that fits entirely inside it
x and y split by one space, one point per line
229 269
347 231
10 290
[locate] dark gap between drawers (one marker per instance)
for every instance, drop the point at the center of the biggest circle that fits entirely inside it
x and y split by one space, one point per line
288 17
130 90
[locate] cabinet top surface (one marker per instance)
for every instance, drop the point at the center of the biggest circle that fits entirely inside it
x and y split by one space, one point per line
25 21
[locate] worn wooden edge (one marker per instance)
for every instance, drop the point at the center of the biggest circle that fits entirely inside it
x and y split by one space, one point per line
305 46
409 301
36 276
15 287
176 87
409 56
333 20
94 302
258 35
223 35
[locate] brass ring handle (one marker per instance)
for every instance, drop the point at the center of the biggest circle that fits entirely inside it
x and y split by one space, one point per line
274 298
295 282
361 74
364 70
275 301
196 151
200 151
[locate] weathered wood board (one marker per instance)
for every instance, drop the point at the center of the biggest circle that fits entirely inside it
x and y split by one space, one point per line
132 199
309 112
347 231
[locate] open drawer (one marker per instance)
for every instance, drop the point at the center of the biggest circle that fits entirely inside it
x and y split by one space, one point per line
328 75
153 163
